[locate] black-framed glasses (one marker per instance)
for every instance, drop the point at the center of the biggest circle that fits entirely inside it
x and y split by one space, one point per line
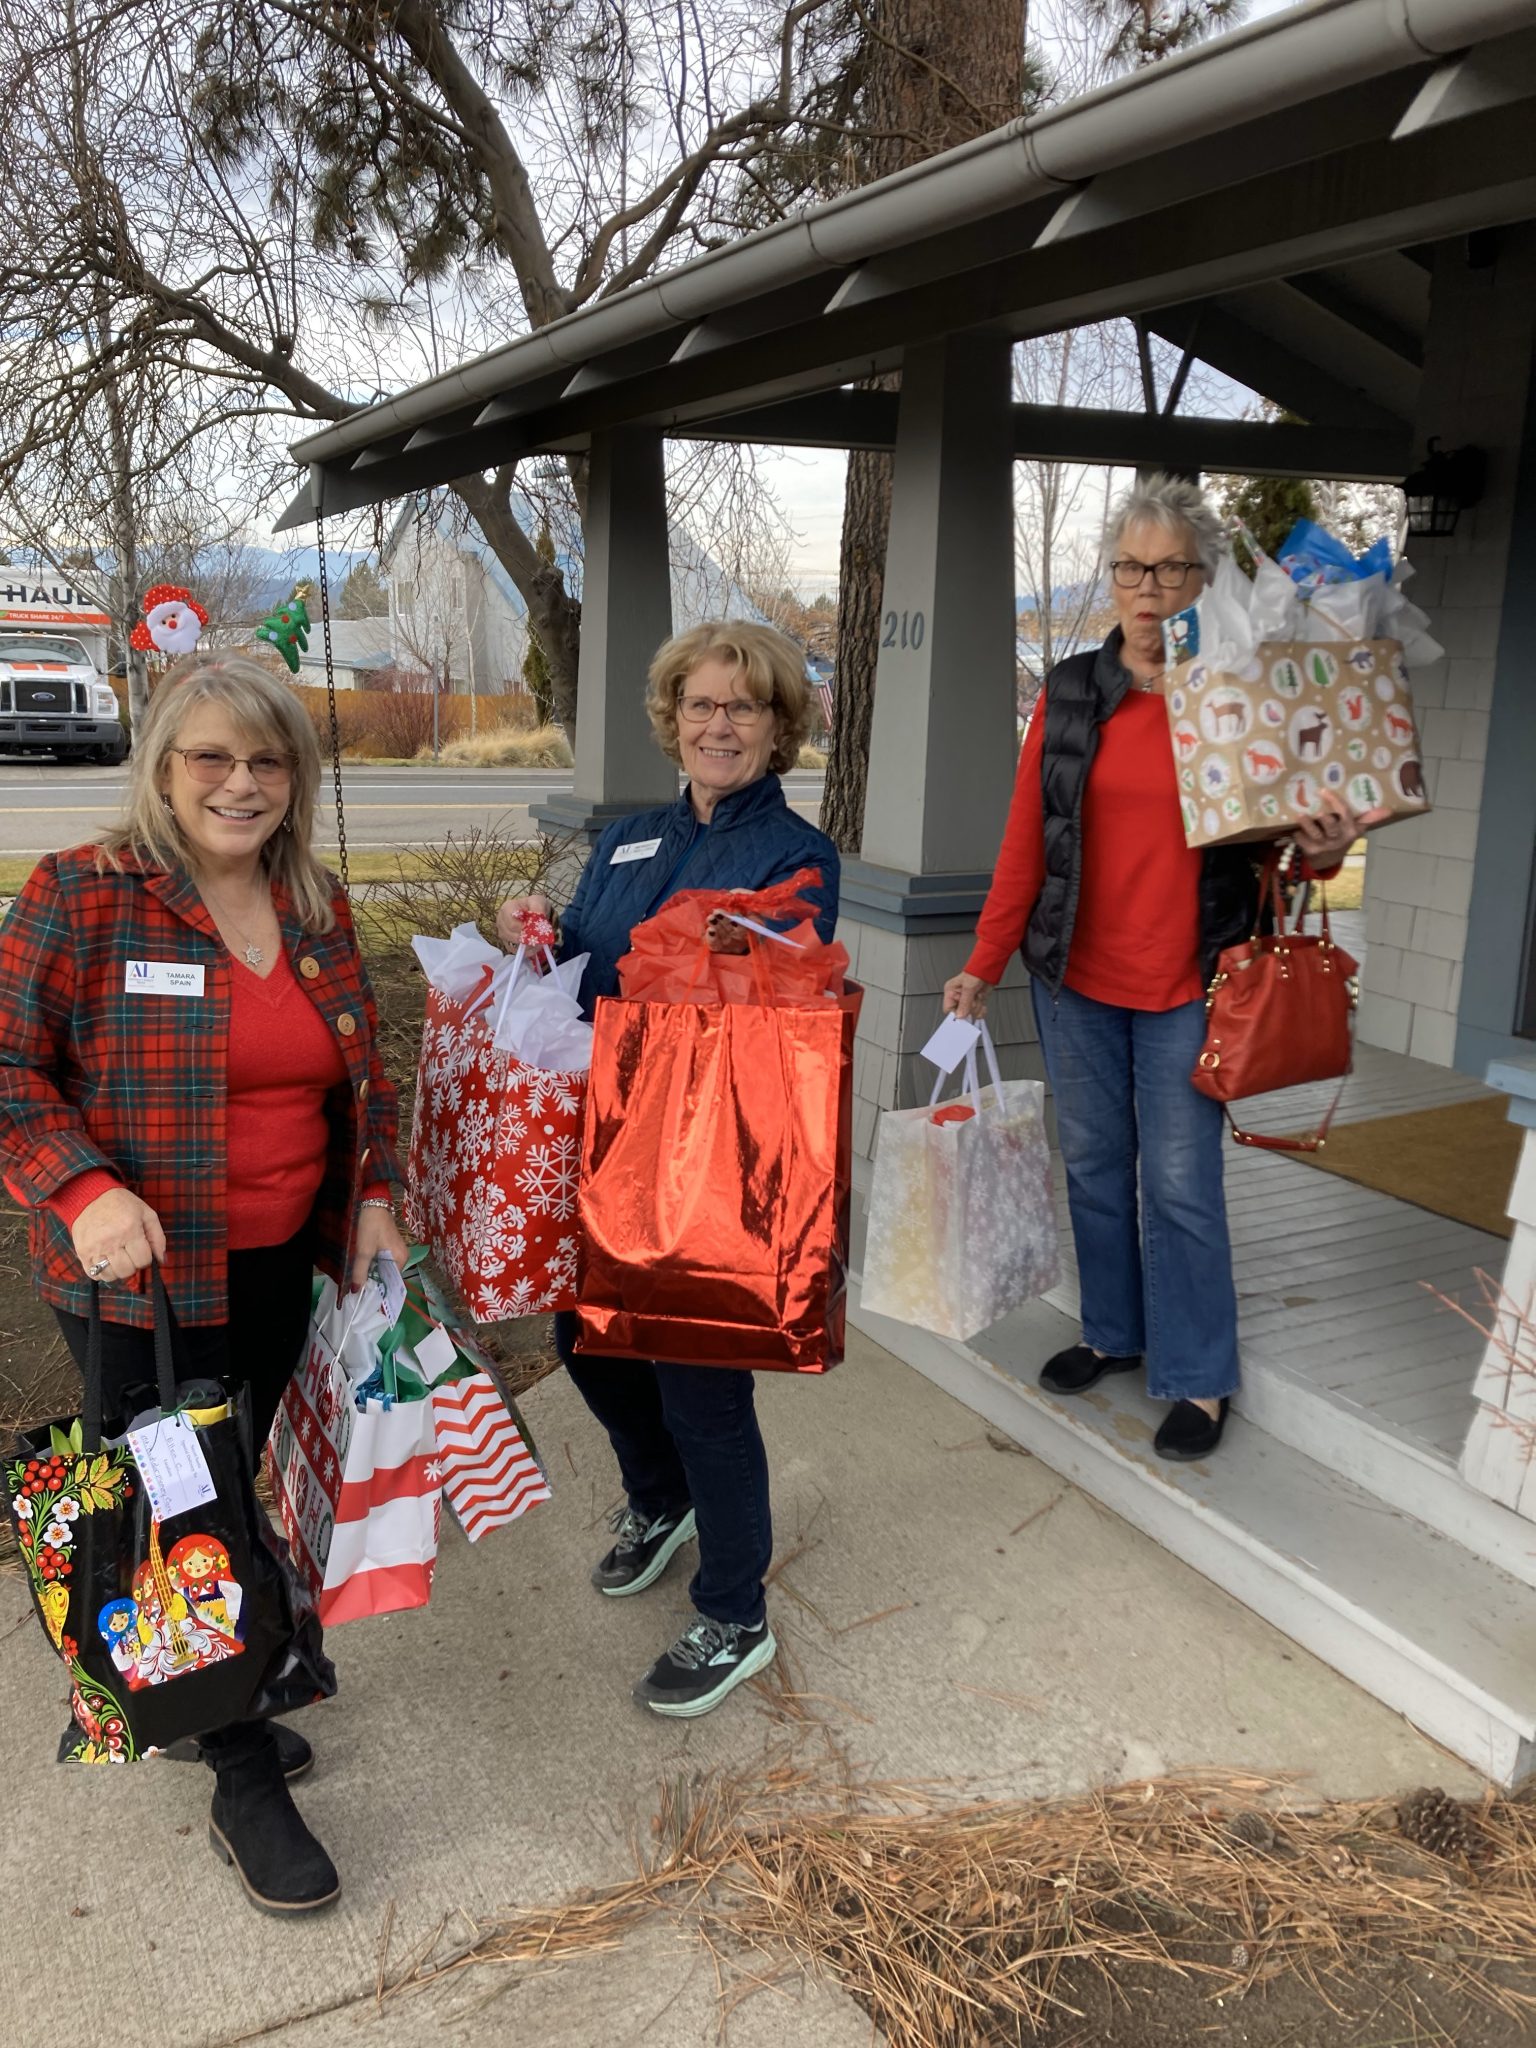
740 710
215 764
1170 575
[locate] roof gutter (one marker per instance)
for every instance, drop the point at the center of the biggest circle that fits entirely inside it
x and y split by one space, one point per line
1263 69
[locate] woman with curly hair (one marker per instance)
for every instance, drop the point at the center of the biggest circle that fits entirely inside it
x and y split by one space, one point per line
729 702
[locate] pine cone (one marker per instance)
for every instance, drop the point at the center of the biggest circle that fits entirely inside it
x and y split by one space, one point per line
1436 1822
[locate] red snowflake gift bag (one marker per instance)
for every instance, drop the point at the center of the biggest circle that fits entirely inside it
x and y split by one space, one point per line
496 1138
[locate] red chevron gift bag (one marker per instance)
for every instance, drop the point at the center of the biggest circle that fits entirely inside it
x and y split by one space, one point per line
491 1472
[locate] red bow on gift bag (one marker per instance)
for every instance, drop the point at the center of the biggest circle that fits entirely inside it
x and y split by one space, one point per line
717 1153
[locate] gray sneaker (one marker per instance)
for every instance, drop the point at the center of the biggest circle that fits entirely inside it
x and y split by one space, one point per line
708 1660
642 1551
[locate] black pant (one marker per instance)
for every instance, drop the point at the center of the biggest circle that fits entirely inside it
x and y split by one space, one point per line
688 1434
260 1346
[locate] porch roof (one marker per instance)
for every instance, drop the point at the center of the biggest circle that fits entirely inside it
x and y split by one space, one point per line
1266 201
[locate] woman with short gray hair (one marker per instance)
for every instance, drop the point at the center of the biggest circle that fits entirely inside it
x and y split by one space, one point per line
1120 925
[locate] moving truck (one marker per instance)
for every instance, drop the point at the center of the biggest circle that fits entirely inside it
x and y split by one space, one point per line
55 696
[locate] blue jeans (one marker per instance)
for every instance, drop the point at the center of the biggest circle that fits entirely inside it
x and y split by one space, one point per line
688 1434
1165 1288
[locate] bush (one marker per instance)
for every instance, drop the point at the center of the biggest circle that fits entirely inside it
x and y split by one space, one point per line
398 723
812 756
465 879
506 747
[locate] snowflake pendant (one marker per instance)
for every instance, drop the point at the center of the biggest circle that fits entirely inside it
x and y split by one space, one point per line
254 956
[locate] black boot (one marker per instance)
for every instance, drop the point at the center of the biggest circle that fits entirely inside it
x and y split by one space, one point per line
256 1827
294 1754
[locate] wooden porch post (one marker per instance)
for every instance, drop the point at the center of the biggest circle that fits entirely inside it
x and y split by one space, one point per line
626 613
944 740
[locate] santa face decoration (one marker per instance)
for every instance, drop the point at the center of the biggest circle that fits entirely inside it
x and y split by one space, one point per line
173 621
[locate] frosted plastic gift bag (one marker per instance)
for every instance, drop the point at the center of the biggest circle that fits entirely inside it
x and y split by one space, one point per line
962 1214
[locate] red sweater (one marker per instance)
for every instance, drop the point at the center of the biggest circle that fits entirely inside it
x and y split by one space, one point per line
1136 939
283 1061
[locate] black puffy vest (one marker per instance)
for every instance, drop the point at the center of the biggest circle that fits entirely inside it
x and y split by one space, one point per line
1081 693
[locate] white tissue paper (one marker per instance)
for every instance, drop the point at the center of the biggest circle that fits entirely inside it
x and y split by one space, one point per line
535 1017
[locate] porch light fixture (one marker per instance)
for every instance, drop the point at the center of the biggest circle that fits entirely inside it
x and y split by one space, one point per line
1447 484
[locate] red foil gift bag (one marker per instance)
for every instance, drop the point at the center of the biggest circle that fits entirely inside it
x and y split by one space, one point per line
716 1167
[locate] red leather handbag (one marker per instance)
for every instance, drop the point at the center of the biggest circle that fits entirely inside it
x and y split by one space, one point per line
1279 1013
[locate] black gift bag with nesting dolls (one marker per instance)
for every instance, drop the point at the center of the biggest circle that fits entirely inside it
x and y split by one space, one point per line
154 1569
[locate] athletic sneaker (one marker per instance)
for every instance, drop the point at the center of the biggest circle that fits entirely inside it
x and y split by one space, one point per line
708 1660
643 1550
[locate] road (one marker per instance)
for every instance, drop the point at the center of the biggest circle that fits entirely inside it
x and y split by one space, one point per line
43 806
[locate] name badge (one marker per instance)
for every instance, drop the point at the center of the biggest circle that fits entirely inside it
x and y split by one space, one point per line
637 849
162 978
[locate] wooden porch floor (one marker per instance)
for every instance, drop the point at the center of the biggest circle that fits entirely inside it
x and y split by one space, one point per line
1332 1278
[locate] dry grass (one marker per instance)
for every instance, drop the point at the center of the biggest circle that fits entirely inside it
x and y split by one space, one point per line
962 1925
507 747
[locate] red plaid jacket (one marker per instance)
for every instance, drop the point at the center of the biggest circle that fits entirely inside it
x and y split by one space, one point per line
94 1074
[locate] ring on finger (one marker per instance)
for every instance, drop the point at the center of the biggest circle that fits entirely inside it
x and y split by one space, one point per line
99 1267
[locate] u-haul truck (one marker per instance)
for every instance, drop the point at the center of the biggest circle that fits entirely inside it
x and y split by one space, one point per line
54 694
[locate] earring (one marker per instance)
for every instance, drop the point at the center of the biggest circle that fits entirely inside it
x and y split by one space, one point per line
169 807
288 821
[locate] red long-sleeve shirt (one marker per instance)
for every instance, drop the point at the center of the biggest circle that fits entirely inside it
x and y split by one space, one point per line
1136 939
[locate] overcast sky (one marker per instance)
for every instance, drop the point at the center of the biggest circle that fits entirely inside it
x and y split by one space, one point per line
809 482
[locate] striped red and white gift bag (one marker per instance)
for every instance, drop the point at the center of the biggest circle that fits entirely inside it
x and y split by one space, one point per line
358 1491
491 1474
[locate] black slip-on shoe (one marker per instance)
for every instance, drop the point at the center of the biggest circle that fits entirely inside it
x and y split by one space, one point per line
1187 1432
1080 1367
642 1552
708 1660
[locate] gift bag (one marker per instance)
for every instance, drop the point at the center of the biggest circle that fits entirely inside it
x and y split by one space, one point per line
495 1136
1255 746
155 1572
491 1472
962 1212
355 1475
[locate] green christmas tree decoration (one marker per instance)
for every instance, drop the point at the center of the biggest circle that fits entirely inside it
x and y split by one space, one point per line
287 629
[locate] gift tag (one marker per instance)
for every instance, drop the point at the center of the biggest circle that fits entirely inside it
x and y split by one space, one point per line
435 1352
172 1466
951 1043
391 1284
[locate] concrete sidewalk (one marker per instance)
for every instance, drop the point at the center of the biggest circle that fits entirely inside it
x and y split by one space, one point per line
485 1753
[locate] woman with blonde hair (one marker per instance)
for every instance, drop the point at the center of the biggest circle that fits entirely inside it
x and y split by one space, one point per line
189 1075
730 704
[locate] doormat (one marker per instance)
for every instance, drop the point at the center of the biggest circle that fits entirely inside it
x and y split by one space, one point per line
1458 1161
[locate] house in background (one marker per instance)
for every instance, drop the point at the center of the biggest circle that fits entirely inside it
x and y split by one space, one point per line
455 612
360 650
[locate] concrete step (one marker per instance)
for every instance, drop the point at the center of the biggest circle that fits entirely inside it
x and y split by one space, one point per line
1355 1438
1435 1631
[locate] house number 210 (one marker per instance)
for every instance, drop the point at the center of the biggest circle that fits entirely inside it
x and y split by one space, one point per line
904 629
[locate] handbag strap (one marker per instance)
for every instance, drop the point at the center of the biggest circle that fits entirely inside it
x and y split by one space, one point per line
165 1375
1315 1143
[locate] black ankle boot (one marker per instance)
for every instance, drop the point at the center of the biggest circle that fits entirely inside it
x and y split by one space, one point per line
256 1827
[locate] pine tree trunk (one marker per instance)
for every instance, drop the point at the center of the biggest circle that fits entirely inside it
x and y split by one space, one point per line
939 73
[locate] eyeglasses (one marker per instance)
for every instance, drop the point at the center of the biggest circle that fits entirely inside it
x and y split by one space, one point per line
740 710
214 765
1131 574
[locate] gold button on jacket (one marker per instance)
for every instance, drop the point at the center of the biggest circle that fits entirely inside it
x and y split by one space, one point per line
309 967
346 1024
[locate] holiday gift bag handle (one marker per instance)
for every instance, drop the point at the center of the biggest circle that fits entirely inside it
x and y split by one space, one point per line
972 1080
165 1375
